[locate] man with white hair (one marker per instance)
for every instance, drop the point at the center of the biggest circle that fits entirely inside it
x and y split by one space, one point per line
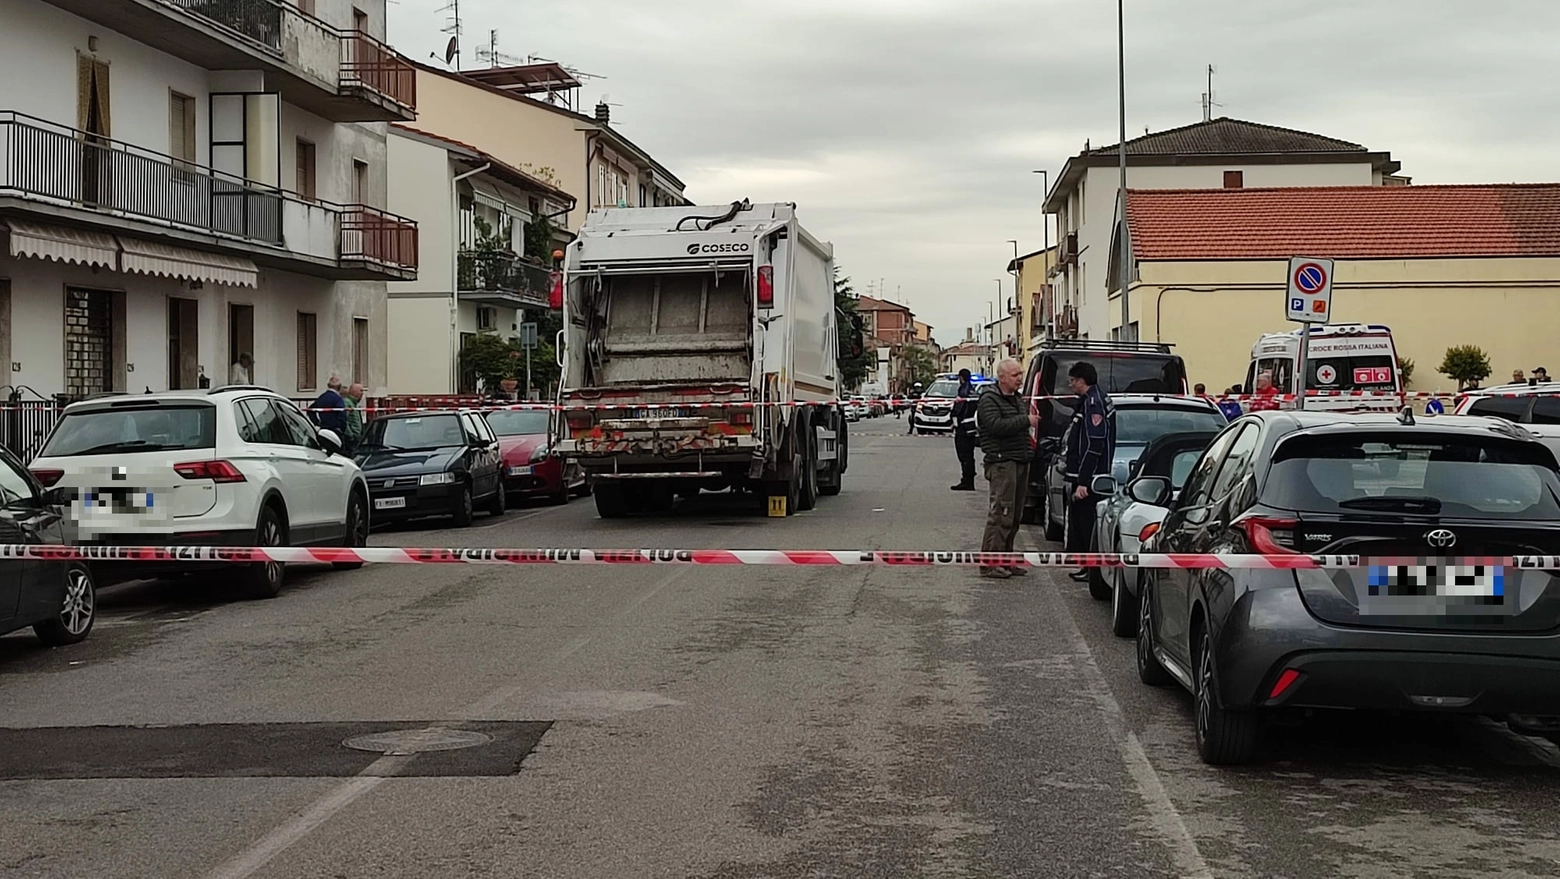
1004 419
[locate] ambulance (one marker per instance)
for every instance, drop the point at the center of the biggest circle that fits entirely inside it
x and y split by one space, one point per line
1350 367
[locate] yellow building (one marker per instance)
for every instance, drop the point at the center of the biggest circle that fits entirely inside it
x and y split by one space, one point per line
1036 306
1439 265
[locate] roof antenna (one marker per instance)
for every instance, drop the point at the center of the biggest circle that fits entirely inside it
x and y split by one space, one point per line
1406 417
1209 99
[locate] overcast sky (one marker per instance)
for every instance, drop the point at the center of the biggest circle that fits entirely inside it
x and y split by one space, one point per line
906 130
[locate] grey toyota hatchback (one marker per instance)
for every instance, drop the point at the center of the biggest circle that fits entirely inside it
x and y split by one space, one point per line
1483 638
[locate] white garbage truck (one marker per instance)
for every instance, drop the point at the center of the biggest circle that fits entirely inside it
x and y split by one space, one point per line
700 351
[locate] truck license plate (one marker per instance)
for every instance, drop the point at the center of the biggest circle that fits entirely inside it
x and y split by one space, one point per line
653 414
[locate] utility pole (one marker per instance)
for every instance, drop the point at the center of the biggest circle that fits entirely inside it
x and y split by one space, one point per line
1125 238
1045 224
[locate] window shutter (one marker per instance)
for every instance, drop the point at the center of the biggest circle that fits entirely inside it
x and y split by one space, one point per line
84 70
100 73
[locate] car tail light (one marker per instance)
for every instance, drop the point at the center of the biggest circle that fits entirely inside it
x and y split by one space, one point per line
742 416
766 286
216 471
1270 536
555 292
580 419
1285 681
1148 531
48 477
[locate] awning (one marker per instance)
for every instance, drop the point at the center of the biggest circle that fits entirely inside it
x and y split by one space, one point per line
63 244
485 193
151 258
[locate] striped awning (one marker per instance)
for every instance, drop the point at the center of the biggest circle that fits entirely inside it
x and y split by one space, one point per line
63 244
152 258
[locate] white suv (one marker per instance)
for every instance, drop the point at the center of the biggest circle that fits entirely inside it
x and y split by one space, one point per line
238 466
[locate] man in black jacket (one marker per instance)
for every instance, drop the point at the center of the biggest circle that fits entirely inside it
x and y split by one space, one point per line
964 431
1004 420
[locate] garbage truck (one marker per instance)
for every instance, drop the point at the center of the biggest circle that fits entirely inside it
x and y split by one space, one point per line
700 351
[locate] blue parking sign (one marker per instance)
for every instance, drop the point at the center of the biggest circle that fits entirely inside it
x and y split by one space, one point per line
1297 305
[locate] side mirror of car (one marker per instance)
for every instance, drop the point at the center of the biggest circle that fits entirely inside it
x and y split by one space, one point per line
1104 486
1152 490
330 442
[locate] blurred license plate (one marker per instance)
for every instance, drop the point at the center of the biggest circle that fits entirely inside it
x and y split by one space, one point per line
389 503
519 471
1470 584
118 501
658 413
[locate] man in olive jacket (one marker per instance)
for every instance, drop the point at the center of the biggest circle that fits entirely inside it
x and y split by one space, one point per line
1004 420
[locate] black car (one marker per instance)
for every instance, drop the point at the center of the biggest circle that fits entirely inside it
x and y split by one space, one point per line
1139 421
432 464
57 599
1123 368
1250 644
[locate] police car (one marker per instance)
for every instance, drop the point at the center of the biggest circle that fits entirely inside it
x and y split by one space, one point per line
933 413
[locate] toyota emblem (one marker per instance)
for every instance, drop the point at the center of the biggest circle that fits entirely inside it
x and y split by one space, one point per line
1441 538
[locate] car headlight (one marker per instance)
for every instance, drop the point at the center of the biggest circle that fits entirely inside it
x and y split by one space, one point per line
438 478
539 455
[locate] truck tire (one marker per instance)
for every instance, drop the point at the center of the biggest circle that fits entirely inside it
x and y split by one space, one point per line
656 496
807 471
611 500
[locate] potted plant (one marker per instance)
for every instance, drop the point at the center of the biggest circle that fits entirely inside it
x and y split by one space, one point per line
492 358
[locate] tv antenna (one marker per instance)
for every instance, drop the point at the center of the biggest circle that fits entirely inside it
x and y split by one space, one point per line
495 58
455 28
1210 100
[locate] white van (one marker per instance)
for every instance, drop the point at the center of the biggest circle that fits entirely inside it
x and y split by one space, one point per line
1359 360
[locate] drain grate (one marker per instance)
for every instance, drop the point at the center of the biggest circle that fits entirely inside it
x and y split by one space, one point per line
417 741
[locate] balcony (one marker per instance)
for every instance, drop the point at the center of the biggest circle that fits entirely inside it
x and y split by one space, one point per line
502 280
343 76
1068 254
55 173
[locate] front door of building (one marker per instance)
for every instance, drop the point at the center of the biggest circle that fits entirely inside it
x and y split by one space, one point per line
89 342
183 344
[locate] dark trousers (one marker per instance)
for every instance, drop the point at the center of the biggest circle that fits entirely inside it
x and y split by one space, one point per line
964 447
1009 483
1080 520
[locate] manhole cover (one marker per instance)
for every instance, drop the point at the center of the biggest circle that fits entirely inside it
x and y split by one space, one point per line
413 741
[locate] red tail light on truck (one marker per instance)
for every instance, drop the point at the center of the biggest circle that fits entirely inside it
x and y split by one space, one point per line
766 286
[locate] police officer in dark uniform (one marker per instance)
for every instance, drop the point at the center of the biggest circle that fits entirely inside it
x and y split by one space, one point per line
964 431
1091 448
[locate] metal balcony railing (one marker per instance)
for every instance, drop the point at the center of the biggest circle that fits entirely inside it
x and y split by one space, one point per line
39 159
379 238
503 273
372 65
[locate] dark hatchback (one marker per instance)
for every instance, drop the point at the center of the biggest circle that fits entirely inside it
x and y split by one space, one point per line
1255 644
431 464
57 599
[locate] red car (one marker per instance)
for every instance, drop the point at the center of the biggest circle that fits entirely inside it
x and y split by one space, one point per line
529 470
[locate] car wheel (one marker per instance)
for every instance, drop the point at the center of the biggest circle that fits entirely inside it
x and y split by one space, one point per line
465 510
357 530
1149 670
1053 531
500 502
1224 737
1123 604
78 610
1099 590
264 579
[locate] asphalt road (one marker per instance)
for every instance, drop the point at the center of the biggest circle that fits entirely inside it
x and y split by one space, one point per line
703 722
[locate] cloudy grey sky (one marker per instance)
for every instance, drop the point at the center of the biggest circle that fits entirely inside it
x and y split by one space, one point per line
906 130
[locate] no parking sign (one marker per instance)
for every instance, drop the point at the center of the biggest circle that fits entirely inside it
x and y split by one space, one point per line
1309 297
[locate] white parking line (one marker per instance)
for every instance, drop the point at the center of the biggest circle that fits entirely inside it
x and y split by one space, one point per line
247 862
1162 813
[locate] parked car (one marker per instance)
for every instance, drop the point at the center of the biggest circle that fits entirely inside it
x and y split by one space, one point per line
1138 368
933 413
1537 403
1130 513
1249 644
530 469
423 464
238 466
57 599
1139 421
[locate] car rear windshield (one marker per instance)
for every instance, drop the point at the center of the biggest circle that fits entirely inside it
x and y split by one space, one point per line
520 422
415 434
1134 373
1144 424
122 430
1477 478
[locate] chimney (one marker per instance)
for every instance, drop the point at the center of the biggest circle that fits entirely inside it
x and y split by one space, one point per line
603 114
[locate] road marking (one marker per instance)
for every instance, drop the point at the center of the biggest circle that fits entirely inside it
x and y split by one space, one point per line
1162 813
256 856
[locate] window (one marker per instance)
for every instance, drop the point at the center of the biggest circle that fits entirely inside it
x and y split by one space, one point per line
1198 484
149 428
360 349
1237 464
359 20
15 488
265 424
1509 408
306 7
359 181
300 428
1546 410
305 183
181 130
308 352
1234 179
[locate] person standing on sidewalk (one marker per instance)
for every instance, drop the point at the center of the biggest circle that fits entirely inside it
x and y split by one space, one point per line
964 431
354 400
1004 421
1091 450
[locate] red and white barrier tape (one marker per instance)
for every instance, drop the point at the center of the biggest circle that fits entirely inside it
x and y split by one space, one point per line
759 557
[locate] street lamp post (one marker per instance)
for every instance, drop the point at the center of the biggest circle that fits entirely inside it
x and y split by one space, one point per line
1045 224
1121 151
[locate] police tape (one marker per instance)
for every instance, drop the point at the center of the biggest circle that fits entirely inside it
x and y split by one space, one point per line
723 557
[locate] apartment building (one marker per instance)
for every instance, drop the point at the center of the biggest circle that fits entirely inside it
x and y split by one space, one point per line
186 181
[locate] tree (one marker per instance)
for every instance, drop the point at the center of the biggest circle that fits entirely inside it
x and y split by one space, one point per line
921 363
1406 368
493 358
847 323
1465 363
